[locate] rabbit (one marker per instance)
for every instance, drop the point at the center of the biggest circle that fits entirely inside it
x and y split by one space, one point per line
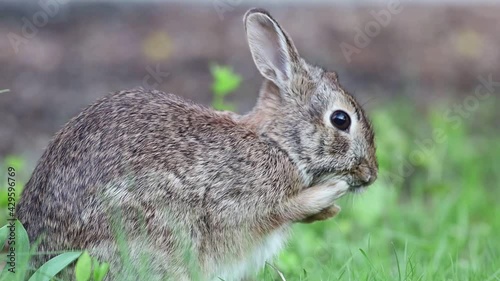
166 189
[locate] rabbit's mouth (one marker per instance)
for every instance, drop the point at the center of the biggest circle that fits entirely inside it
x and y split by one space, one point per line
358 184
354 183
357 179
357 188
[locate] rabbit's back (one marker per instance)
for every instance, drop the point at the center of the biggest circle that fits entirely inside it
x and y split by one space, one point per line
157 164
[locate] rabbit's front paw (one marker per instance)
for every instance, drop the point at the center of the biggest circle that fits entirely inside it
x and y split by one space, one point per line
316 202
324 214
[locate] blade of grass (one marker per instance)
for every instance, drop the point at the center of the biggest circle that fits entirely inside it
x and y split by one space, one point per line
83 268
397 261
49 269
282 277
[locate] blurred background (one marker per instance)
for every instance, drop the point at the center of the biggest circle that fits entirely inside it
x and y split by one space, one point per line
426 71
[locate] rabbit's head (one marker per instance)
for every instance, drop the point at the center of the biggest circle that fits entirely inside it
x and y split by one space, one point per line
306 112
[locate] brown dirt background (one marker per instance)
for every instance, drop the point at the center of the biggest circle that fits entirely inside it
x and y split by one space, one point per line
427 53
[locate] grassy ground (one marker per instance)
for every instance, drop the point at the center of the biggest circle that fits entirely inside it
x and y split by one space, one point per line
432 215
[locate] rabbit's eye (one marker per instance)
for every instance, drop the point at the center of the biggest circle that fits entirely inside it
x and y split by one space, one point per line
340 120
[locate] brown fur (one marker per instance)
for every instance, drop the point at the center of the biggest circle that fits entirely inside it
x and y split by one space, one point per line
171 176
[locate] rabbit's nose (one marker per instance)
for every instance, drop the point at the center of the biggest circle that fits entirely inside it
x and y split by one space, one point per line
366 174
369 179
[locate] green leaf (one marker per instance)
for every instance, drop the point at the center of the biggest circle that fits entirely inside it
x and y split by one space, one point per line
48 270
225 80
83 267
4 233
22 254
101 271
5 275
95 266
22 245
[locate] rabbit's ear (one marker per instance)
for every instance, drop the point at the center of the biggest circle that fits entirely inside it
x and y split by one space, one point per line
272 50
